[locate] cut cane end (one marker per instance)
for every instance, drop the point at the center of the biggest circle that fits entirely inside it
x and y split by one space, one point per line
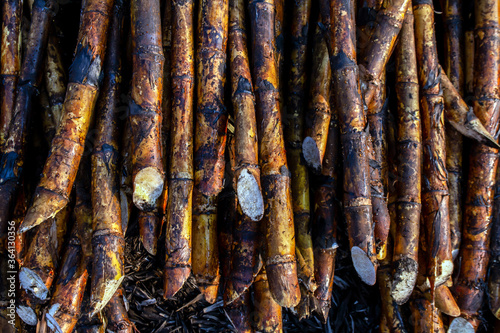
250 196
283 283
364 266
173 280
27 315
460 325
31 281
382 252
454 254
51 321
311 154
322 307
148 186
45 206
209 292
476 130
445 302
405 277
102 293
446 271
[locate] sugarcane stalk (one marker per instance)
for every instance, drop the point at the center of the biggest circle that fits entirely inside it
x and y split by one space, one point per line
294 134
435 194
247 171
205 247
108 243
65 304
463 118
41 261
424 316
239 313
145 104
382 42
14 147
280 260
10 63
267 313
211 114
52 193
475 249
117 319
326 215
354 139
179 208
55 84
409 147
318 114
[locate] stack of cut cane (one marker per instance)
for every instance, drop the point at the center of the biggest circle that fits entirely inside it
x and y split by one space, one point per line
248 135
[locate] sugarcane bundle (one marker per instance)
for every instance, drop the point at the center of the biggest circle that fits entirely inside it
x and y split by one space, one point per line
274 159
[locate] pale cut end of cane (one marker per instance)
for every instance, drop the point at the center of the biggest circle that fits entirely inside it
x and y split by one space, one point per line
311 154
460 325
27 315
31 281
363 266
51 321
454 254
283 283
173 280
250 196
209 292
45 206
107 291
125 210
405 277
445 302
148 186
446 271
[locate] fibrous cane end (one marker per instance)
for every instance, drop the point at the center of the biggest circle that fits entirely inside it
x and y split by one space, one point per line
363 266
31 281
27 315
446 271
311 154
283 283
110 288
460 325
148 186
250 196
51 321
405 277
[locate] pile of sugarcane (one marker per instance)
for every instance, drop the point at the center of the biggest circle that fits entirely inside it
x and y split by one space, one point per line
247 133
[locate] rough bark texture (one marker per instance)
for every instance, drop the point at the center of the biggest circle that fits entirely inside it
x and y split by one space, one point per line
474 254
247 173
108 243
211 113
355 140
278 216
409 164
435 195
319 113
145 104
52 193
179 207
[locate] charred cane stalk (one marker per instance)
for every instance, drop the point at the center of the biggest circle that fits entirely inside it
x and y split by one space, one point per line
179 209
108 243
52 193
280 259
